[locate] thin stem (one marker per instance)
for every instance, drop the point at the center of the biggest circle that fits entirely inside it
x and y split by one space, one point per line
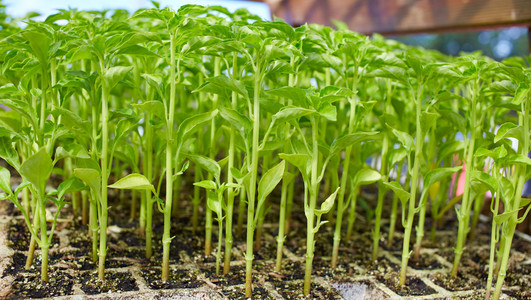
252 184
166 238
310 210
413 191
464 213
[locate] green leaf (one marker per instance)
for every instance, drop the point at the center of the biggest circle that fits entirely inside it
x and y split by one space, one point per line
237 120
455 118
206 184
114 74
503 86
137 50
270 180
8 153
507 130
395 156
37 168
394 73
518 159
189 124
507 190
206 163
444 96
499 219
522 93
439 174
39 43
297 95
332 94
398 190
133 181
428 120
214 204
229 83
327 205
154 107
301 161
73 150
21 186
91 177
5 180
70 185
20 107
351 139
486 179
328 111
365 176
449 148
289 113
405 139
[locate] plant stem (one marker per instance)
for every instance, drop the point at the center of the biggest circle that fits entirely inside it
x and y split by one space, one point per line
281 226
220 241
381 195
44 241
241 211
494 235
33 242
104 176
252 184
413 192
352 211
310 210
230 191
394 207
166 238
212 154
148 162
478 205
464 213
94 226
344 175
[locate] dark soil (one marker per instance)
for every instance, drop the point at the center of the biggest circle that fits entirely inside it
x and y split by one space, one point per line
30 286
179 279
238 292
414 286
460 283
294 290
114 282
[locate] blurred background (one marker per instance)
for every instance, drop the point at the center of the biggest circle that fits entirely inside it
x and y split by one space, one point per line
498 41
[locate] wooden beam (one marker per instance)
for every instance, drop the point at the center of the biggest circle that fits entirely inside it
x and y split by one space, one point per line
406 16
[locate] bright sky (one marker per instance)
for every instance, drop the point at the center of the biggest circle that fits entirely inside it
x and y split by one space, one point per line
19 8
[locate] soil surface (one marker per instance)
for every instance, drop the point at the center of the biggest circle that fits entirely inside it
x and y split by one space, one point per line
192 274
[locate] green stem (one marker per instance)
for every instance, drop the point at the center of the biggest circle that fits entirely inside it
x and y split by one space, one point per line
382 190
344 175
494 235
33 242
281 226
230 191
394 207
148 202
463 215
413 192
104 176
252 184
310 210
212 154
166 238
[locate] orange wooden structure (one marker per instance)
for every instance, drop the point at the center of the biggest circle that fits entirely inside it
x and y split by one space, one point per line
394 17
